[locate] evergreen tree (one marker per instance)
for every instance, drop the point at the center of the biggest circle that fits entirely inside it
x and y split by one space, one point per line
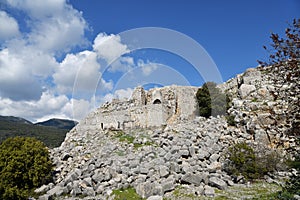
211 100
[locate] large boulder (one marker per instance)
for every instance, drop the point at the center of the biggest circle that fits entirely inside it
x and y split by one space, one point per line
245 90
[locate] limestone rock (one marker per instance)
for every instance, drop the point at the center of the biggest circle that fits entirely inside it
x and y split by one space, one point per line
216 182
190 178
245 90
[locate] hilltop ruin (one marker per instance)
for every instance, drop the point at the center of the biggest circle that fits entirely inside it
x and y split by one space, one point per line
153 108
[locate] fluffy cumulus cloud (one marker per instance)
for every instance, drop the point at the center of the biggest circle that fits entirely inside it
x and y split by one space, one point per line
123 64
54 24
34 84
109 47
122 94
38 8
147 67
48 104
17 80
79 72
9 26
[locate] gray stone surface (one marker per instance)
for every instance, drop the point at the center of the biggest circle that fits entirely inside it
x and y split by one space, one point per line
156 197
190 178
216 182
180 149
246 89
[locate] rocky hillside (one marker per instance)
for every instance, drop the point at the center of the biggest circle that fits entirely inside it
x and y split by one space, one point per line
91 163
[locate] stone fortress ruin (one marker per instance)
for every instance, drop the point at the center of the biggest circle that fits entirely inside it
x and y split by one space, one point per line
156 107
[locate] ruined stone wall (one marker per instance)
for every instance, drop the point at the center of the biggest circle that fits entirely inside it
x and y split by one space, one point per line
155 107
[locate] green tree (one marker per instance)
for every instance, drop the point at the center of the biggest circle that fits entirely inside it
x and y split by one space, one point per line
211 100
24 165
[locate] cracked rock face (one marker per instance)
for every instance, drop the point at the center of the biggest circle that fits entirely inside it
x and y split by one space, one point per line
94 160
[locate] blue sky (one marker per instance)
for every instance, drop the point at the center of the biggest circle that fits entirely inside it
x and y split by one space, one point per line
64 58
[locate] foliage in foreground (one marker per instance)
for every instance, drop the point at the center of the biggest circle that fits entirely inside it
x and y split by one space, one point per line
24 165
243 160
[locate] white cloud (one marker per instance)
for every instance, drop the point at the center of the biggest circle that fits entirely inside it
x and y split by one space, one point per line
109 47
39 8
123 64
59 34
54 25
79 72
121 94
78 108
17 78
148 67
34 85
9 26
48 104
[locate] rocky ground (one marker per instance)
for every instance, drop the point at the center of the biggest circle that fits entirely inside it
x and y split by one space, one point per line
92 163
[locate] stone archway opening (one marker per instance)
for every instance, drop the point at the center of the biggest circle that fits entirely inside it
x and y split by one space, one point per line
156 101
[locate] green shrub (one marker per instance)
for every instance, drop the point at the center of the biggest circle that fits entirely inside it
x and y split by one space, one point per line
211 100
241 161
230 120
244 160
24 166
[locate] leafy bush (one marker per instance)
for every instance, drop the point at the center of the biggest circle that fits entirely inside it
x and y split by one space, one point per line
24 166
230 120
243 160
211 100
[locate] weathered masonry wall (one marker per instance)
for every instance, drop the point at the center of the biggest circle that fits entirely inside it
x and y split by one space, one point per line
151 108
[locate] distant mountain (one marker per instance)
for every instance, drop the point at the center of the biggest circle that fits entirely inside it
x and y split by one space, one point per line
59 123
14 119
51 132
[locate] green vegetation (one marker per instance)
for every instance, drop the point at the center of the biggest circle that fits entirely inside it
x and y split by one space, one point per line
24 165
51 136
258 190
230 120
129 139
211 100
243 160
254 99
123 137
126 194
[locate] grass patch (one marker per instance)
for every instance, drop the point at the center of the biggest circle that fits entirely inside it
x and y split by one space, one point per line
180 193
259 190
123 137
126 194
129 139
255 191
